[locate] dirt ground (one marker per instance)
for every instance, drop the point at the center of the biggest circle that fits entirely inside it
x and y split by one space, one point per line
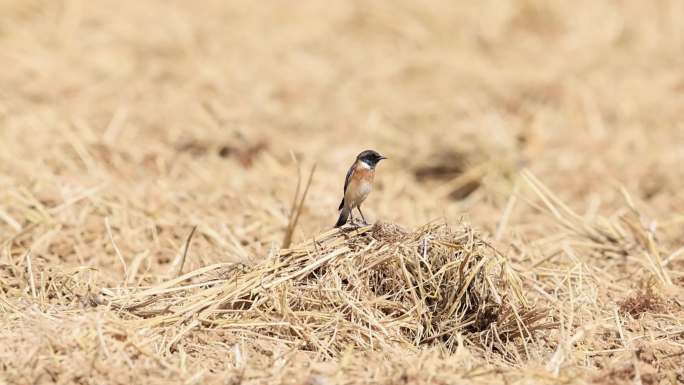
554 129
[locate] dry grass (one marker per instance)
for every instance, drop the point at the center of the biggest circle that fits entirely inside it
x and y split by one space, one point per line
365 290
154 173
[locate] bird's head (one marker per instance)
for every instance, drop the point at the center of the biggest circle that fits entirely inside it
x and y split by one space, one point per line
370 157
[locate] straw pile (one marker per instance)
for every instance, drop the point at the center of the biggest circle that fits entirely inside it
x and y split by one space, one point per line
368 288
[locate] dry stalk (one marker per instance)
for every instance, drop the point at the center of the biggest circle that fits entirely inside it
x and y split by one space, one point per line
297 205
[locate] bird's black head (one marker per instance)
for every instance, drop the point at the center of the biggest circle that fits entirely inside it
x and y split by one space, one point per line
370 157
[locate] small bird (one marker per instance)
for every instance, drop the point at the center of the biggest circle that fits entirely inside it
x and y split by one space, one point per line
358 185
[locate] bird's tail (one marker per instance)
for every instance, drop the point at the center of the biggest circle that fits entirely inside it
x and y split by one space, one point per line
344 215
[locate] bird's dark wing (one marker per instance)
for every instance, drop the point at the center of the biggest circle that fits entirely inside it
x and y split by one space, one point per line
347 179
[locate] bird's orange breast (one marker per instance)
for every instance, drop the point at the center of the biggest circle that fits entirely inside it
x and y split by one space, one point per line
360 186
363 174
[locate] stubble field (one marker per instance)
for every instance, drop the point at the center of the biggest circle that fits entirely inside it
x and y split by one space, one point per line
530 217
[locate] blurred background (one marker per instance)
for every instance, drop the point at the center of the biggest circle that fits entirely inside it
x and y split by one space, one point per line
123 124
190 112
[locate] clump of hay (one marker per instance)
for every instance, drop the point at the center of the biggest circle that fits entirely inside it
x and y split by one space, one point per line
367 288
645 300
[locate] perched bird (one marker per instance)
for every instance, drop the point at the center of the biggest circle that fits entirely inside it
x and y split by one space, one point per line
358 185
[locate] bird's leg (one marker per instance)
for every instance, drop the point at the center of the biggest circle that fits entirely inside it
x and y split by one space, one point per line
362 217
351 218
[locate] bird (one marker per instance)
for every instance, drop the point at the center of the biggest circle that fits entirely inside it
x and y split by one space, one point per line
358 184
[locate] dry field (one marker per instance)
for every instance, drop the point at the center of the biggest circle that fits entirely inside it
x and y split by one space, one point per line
530 217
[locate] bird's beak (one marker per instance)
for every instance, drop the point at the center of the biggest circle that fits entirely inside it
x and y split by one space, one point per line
382 157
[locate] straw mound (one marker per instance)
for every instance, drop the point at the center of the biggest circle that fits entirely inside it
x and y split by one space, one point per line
367 288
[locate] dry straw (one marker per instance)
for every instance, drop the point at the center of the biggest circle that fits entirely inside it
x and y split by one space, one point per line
369 288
